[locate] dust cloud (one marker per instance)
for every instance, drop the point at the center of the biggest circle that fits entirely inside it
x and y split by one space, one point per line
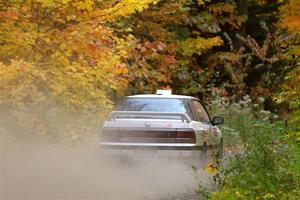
35 170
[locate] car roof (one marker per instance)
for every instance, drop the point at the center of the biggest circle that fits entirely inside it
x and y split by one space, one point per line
161 96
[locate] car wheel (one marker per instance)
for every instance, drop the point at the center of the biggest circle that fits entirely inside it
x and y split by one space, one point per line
203 154
220 153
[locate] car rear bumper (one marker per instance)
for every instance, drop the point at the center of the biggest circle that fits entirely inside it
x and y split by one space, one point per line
187 153
158 146
189 156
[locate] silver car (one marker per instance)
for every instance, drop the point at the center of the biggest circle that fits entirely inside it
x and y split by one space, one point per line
159 126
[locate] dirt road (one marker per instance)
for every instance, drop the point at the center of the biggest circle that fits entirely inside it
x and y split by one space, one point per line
38 171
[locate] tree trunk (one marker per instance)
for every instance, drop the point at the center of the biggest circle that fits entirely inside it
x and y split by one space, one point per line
242 7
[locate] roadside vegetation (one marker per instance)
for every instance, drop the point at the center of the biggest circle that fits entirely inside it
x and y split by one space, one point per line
263 157
65 64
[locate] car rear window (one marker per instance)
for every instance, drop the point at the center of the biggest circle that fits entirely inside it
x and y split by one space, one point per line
156 105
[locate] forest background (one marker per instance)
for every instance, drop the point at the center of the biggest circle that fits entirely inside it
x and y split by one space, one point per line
64 64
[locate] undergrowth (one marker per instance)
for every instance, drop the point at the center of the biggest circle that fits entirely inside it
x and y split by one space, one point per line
267 166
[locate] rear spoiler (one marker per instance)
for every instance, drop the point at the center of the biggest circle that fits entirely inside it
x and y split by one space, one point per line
113 115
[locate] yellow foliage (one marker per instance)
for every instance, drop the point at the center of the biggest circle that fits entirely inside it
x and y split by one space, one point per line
127 7
210 169
59 54
200 2
291 18
198 45
20 84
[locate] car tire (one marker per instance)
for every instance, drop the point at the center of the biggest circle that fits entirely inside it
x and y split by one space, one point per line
203 155
220 152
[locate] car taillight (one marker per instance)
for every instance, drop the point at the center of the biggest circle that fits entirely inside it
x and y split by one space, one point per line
186 136
154 136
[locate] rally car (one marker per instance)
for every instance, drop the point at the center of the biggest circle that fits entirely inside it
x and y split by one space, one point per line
161 125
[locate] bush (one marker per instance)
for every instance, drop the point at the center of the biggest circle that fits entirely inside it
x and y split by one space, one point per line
268 167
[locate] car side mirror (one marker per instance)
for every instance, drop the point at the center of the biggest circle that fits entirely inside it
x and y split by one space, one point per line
217 120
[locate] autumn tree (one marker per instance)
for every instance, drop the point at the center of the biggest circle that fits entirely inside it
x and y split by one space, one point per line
171 36
290 90
201 48
61 58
